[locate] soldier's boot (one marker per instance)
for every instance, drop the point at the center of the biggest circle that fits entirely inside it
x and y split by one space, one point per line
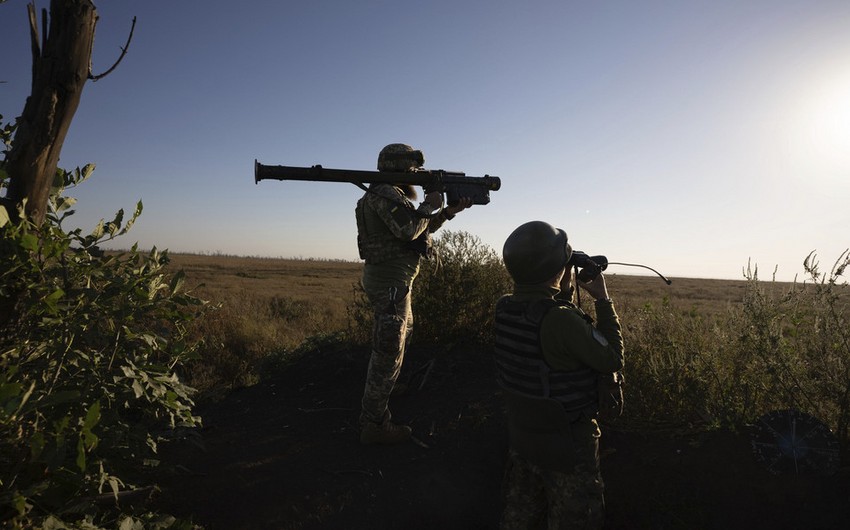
384 433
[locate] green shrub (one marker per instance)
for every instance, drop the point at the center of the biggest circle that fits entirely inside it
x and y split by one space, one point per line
90 346
453 296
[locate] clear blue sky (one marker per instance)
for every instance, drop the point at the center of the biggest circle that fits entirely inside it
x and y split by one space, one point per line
691 136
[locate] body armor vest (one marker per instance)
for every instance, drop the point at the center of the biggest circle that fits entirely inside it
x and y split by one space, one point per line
375 242
520 365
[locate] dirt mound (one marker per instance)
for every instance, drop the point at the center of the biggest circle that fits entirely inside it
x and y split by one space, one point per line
284 454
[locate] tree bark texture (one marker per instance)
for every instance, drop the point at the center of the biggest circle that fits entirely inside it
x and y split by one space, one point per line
60 70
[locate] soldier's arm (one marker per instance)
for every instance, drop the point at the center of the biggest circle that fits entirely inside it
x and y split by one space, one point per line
570 342
397 212
608 324
437 221
448 213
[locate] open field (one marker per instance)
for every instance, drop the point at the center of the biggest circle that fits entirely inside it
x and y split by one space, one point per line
283 453
265 309
330 283
268 308
218 278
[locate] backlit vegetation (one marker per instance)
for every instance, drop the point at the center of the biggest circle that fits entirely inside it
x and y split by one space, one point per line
700 353
101 354
782 346
453 296
90 347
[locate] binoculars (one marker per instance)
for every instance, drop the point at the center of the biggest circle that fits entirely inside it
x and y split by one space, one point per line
589 266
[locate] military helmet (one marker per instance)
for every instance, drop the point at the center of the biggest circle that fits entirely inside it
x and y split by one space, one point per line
535 252
400 157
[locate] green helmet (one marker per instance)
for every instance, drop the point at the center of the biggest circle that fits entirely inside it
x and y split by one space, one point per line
400 157
535 252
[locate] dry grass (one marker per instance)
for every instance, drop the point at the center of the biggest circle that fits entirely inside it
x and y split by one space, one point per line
306 296
700 350
227 279
685 294
271 307
267 309
282 302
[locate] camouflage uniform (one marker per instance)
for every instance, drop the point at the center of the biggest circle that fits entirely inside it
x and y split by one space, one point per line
539 494
538 497
393 235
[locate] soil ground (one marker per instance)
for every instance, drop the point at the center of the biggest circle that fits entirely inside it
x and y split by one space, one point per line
285 454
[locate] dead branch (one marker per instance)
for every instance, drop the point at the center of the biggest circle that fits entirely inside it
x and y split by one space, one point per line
123 53
34 45
59 71
44 27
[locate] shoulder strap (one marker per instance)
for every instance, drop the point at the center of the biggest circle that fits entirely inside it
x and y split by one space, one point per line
534 311
537 309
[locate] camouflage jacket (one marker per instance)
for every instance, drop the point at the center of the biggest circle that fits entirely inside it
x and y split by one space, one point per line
389 227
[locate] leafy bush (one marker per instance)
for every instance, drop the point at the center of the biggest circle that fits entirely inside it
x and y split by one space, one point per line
454 299
90 346
453 296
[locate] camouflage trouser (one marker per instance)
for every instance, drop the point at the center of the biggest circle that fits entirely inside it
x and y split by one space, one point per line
541 498
392 326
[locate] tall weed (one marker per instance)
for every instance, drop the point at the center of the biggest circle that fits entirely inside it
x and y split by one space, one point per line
785 346
801 342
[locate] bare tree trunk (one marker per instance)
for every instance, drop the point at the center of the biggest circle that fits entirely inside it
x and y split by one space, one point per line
60 70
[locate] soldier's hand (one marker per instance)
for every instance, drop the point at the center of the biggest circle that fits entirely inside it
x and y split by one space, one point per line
462 204
434 198
596 288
